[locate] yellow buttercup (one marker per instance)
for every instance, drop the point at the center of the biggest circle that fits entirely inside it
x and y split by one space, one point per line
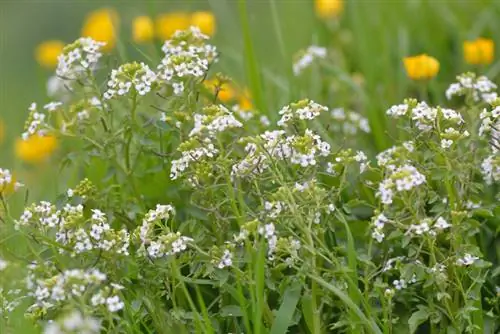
102 25
421 67
47 52
36 148
479 52
143 29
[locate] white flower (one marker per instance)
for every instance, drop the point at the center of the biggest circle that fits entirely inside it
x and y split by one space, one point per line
114 304
399 284
306 58
441 224
467 260
226 260
52 106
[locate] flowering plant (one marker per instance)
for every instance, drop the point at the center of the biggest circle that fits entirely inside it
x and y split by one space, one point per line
198 215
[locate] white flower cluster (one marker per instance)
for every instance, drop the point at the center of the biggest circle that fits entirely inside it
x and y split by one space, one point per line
36 123
73 230
402 178
378 223
226 259
78 58
163 244
395 155
349 122
306 57
427 118
426 226
302 110
268 231
153 217
467 260
5 179
136 76
490 168
72 284
402 284
187 56
73 323
490 125
206 149
299 150
9 300
213 120
481 88
346 156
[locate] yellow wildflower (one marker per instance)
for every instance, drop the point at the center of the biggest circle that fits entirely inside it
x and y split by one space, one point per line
245 101
47 52
143 29
479 52
102 25
329 8
36 148
421 67
226 92
205 21
167 24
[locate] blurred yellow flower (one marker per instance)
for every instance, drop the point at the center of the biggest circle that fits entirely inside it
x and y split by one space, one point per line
36 148
143 29
226 90
47 52
479 52
329 8
245 101
205 21
421 67
102 26
167 24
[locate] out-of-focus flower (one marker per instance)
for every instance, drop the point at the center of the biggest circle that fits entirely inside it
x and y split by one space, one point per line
245 101
479 51
421 67
143 29
205 21
35 148
226 91
329 8
102 25
167 24
47 52
8 182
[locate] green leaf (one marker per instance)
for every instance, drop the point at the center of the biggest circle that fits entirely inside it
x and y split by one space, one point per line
230 311
285 313
418 318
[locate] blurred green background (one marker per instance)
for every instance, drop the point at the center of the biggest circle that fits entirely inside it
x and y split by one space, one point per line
366 44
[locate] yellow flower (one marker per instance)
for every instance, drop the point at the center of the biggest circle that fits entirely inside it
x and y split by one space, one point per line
329 8
205 21
226 93
245 101
421 67
36 148
479 52
102 25
47 52
167 24
143 29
